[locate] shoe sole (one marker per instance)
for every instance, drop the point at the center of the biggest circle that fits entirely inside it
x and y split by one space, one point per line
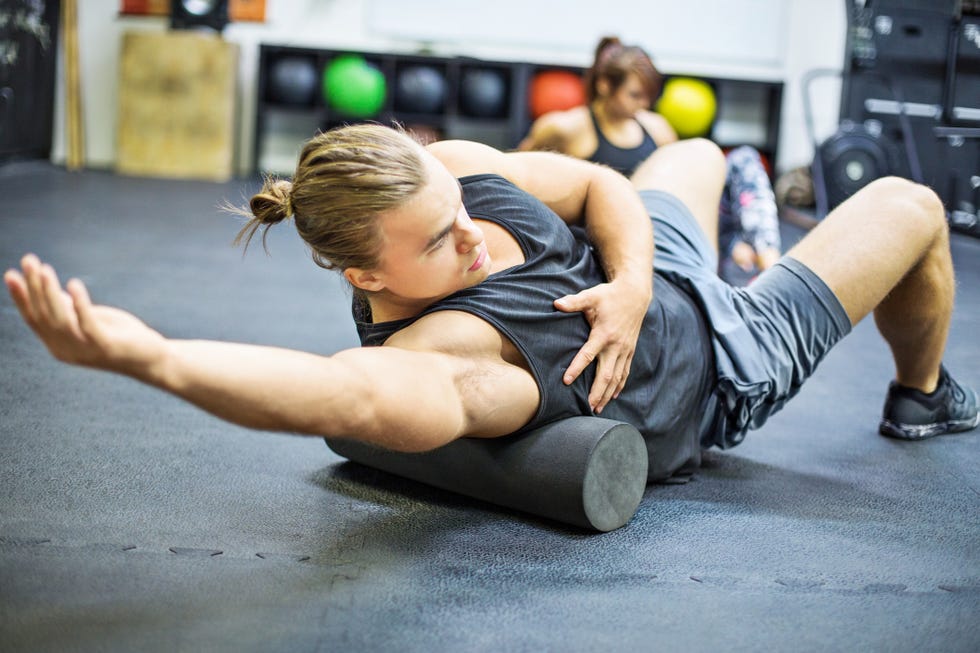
922 431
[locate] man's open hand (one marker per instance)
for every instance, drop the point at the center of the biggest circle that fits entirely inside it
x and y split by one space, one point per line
615 312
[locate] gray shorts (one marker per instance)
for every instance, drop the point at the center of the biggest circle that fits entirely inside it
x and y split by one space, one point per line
767 338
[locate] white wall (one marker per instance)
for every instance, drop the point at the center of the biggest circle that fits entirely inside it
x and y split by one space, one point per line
806 33
816 34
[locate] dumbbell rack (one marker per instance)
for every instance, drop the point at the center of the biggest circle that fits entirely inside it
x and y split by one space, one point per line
748 111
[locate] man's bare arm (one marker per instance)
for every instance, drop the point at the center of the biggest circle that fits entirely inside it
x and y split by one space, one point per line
392 397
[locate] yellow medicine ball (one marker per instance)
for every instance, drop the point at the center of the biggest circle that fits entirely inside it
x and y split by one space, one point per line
688 105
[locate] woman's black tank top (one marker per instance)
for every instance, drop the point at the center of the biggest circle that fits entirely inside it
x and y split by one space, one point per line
622 160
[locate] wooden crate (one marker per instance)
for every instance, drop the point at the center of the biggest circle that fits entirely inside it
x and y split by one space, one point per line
177 105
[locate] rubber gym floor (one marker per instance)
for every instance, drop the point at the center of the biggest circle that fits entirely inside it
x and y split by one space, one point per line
130 521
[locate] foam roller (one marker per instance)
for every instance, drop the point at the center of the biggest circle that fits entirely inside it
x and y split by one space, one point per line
585 471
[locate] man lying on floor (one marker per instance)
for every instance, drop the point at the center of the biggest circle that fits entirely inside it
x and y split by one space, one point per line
484 310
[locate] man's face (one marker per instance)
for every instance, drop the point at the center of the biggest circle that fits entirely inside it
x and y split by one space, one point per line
431 248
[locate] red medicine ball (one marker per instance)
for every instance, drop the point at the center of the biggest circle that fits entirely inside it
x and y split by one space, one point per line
555 90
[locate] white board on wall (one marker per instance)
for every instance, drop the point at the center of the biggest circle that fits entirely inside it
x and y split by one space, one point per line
735 32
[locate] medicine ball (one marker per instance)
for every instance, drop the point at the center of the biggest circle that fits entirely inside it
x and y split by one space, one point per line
353 87
688 105
555 90
420 89
292 80
483 93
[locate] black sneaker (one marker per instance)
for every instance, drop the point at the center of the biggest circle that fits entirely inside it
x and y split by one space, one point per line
911 414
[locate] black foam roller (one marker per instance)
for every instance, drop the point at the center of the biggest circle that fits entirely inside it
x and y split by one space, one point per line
585 471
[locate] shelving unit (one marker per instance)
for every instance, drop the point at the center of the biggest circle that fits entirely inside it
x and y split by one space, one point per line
748 111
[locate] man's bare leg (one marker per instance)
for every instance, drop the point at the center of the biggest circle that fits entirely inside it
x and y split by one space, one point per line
693 171
886 250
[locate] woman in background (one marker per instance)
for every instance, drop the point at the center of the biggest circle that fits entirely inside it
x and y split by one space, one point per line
617 128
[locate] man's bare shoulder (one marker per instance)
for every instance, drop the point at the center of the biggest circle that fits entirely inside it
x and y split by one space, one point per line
451 332
464 158
458 333
492 374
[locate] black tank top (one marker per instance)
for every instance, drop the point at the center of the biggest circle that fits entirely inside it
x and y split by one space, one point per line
672 367
617 158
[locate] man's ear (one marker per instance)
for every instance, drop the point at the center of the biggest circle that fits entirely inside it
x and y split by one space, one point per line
366 280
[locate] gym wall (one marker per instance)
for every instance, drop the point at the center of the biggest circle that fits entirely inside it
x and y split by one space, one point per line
810 33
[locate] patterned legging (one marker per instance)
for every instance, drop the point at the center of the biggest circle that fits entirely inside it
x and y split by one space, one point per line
748 204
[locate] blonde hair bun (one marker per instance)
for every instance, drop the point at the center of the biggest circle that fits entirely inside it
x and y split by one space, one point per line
273 203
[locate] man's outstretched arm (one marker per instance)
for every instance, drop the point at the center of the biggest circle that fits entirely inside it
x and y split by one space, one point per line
395 398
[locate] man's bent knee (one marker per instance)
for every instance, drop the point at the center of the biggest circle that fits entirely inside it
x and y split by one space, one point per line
677 162
705 149
702 150
910 195
911 207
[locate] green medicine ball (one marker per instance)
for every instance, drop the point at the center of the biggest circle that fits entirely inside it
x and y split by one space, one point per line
353 87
